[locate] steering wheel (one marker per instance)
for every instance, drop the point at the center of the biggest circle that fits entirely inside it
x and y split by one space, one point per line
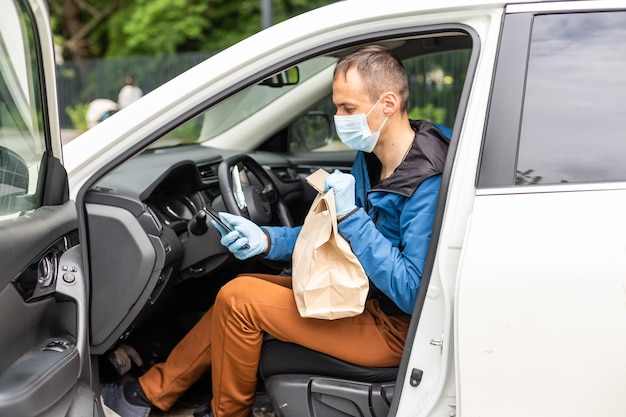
244 199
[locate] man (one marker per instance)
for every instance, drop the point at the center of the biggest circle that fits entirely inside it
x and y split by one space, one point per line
129 93
385 209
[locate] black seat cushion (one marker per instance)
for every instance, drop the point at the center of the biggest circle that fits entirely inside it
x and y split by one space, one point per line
279 358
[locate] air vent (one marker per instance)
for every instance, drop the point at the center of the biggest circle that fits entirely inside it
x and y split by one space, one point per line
208 173
286 174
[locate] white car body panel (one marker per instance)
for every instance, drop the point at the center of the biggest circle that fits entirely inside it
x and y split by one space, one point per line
535 328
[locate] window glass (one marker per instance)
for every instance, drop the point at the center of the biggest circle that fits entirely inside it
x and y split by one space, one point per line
237 108
435 86
575 103
436 80
22 140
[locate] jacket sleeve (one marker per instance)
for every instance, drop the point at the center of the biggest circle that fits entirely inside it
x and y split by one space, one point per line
396 270
282 240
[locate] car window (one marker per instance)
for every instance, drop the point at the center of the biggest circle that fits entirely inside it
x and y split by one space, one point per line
572 127
435 81
238 107
435 86
22 138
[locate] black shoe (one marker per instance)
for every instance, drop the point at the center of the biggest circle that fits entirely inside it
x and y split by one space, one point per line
127 400
134 394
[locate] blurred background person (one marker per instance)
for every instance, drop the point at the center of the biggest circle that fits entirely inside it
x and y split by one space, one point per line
99 110
128 93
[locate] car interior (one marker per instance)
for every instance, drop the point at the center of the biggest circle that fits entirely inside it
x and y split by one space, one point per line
155 259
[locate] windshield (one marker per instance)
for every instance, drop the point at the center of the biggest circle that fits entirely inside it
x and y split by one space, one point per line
233 111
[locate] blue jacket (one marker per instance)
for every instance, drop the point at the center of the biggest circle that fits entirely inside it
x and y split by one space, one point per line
390 232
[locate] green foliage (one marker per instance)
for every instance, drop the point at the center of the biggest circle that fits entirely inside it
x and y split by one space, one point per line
186 133
147 27
428 112
78 116
158 27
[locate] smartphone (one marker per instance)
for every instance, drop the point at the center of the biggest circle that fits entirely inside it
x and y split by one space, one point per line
215 216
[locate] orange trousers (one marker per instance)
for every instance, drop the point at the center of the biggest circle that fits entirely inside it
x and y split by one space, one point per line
229 336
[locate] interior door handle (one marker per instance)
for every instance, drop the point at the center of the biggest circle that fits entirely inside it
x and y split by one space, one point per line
47 270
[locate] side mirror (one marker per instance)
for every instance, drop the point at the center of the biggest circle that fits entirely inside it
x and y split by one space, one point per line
290 76
13 178
311 131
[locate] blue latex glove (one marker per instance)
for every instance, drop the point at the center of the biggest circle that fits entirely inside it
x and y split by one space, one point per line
343 187
244 232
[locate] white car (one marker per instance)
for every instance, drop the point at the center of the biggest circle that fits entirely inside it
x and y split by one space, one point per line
522 307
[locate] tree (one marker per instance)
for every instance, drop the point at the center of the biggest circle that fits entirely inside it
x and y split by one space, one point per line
152 32
118 28
74 22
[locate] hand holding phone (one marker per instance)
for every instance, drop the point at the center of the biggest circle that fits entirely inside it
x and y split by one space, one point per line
246 238
226 228
213 214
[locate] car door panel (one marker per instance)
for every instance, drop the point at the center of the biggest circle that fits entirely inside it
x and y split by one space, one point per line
44 360
41 377
25 237
533 266
40 361
542 272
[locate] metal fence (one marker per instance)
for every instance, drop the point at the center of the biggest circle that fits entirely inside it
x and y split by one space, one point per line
435 81
80 82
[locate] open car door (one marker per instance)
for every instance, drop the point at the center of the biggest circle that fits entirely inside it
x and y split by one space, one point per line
42 293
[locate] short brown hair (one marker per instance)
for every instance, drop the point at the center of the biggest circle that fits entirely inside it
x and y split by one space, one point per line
380 70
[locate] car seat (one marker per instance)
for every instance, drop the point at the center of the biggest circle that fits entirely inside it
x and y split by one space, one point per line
305 383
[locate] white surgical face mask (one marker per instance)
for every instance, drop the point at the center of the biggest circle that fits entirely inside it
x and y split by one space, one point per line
355 133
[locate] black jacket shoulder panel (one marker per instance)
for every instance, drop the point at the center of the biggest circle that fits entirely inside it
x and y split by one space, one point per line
427 157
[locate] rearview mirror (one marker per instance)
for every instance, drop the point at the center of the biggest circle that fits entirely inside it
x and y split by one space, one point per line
290 76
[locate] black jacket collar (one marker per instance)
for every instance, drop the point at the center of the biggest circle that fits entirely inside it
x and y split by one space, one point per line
426 158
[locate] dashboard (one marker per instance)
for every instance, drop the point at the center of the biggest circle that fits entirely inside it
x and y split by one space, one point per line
142 241
177 182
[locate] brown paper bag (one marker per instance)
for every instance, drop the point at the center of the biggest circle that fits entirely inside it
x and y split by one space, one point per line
328 280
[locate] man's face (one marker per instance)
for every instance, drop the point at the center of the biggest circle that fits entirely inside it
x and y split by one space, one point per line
349 94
